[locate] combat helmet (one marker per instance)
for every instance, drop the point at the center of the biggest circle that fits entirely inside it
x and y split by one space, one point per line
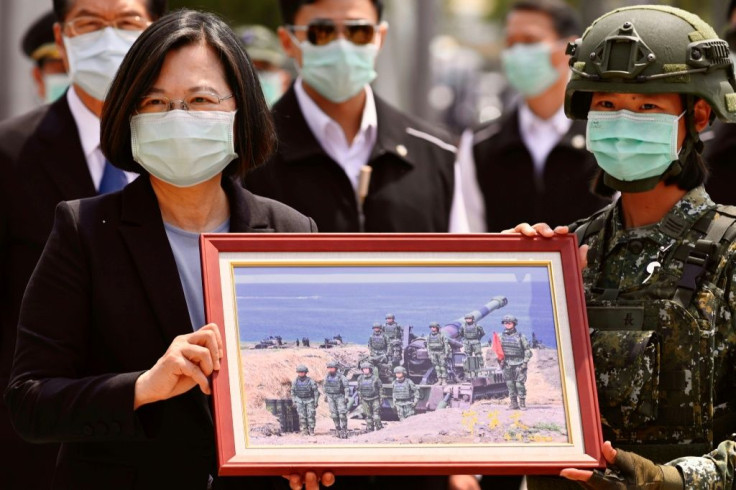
364 365
301 368
434 324
377 325
471 316
652 49
399 369
510 319
390 316
332 364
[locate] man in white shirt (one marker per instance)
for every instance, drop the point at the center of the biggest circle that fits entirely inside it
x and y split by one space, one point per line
532 163
49 155
345 157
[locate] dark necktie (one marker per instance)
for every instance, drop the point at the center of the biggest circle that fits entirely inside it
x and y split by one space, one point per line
113 179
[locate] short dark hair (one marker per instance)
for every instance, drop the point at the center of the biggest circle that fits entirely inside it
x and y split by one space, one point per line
254 136
566 20
156 8
289 8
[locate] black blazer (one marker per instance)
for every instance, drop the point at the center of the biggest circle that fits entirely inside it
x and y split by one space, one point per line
41 164
505 172
411 183
102 306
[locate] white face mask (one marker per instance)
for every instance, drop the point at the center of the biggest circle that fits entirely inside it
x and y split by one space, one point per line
94 58
183 148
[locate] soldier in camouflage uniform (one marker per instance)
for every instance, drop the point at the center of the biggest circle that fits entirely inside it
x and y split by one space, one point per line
337 396
394 332
369 388
660 272
472 333
405 394
378 346
438 349
517 352
305 395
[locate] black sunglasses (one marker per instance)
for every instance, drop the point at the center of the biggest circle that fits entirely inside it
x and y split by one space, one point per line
324 31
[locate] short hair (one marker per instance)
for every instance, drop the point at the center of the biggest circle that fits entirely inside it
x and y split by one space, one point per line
565 19
254 133
156 8
289 8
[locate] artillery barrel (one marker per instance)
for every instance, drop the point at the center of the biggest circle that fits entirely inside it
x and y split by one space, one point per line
451 330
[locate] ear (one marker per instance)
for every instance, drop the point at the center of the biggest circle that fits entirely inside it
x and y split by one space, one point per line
60 45
289 46
38 78
701 114
382 31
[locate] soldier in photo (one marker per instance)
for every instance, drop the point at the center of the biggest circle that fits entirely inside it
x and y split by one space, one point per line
516 355
439 351
378 346
394 332
305 396
337 396
472 333
369 389
405 394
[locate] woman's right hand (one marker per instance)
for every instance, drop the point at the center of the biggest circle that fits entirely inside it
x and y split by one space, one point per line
188 361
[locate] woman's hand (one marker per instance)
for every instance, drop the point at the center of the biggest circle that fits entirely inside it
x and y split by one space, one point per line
463 482
188 361
310 480
544 230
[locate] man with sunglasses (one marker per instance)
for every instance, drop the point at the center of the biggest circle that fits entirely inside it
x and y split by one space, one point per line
334 132
49 155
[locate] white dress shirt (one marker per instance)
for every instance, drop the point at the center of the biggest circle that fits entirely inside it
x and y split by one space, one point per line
353 156
88 127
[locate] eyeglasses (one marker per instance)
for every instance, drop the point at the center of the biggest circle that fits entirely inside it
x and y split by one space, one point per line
199 101
324 31
86 24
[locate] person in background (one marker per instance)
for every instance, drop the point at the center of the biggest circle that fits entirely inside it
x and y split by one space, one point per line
48 72
264 50
113 354
52 154
532 163
345 157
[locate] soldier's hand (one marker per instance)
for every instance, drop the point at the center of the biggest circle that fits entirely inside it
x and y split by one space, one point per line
626 470
538 229
310 480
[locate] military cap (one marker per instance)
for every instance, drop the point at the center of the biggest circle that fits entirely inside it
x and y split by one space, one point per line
261 44
38 41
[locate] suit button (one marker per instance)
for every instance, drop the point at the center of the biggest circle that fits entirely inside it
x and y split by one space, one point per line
88 430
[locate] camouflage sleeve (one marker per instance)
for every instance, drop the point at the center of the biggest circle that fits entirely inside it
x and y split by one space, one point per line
527 349
293 390
712 471
482 332
379 387
415 390
315 389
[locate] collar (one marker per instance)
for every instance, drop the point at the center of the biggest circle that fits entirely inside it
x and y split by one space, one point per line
682 216
88 124
531 123
322 125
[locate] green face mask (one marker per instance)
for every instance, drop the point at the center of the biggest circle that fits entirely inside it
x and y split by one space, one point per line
528 69
632 146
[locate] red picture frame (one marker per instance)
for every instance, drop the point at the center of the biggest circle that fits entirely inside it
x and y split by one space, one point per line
253 281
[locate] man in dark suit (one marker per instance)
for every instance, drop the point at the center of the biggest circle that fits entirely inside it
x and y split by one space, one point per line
50 155
532 163
345 157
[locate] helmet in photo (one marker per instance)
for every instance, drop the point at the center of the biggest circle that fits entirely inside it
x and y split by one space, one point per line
399 369
331 364
510 319
366 365
652 49
377 325
434 325
390 316
301 368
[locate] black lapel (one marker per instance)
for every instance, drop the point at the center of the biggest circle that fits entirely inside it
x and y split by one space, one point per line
296 141
247 215
143 231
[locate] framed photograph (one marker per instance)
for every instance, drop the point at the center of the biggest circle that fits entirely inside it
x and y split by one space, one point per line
400 354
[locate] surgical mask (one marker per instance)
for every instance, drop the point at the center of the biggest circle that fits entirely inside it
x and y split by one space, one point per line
183 148
94 58
271 85
528 68
55 84
630 145
338 70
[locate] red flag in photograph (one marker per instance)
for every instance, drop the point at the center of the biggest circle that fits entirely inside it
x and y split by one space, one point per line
497 348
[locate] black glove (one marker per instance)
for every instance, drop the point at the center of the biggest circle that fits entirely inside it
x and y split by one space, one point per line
631 471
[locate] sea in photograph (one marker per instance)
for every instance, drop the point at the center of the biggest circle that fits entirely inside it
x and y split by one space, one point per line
324 301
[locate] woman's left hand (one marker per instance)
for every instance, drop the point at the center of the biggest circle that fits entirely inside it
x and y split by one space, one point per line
310 480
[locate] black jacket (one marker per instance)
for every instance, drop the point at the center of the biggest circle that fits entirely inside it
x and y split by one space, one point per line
505 172
102 306
411 184
720 157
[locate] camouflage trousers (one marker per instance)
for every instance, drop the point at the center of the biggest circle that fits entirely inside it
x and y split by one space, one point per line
394 352
404 409
307 411
515 377
338 410
372 413
438 361
473 348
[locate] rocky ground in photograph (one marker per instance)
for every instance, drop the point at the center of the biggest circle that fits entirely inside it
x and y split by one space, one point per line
270 373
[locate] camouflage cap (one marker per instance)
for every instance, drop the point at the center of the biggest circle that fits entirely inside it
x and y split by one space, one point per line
301 368
399 369
261 44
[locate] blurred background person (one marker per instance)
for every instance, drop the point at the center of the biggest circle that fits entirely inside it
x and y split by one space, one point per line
53 154
264 49
49 72
531 164
345 157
